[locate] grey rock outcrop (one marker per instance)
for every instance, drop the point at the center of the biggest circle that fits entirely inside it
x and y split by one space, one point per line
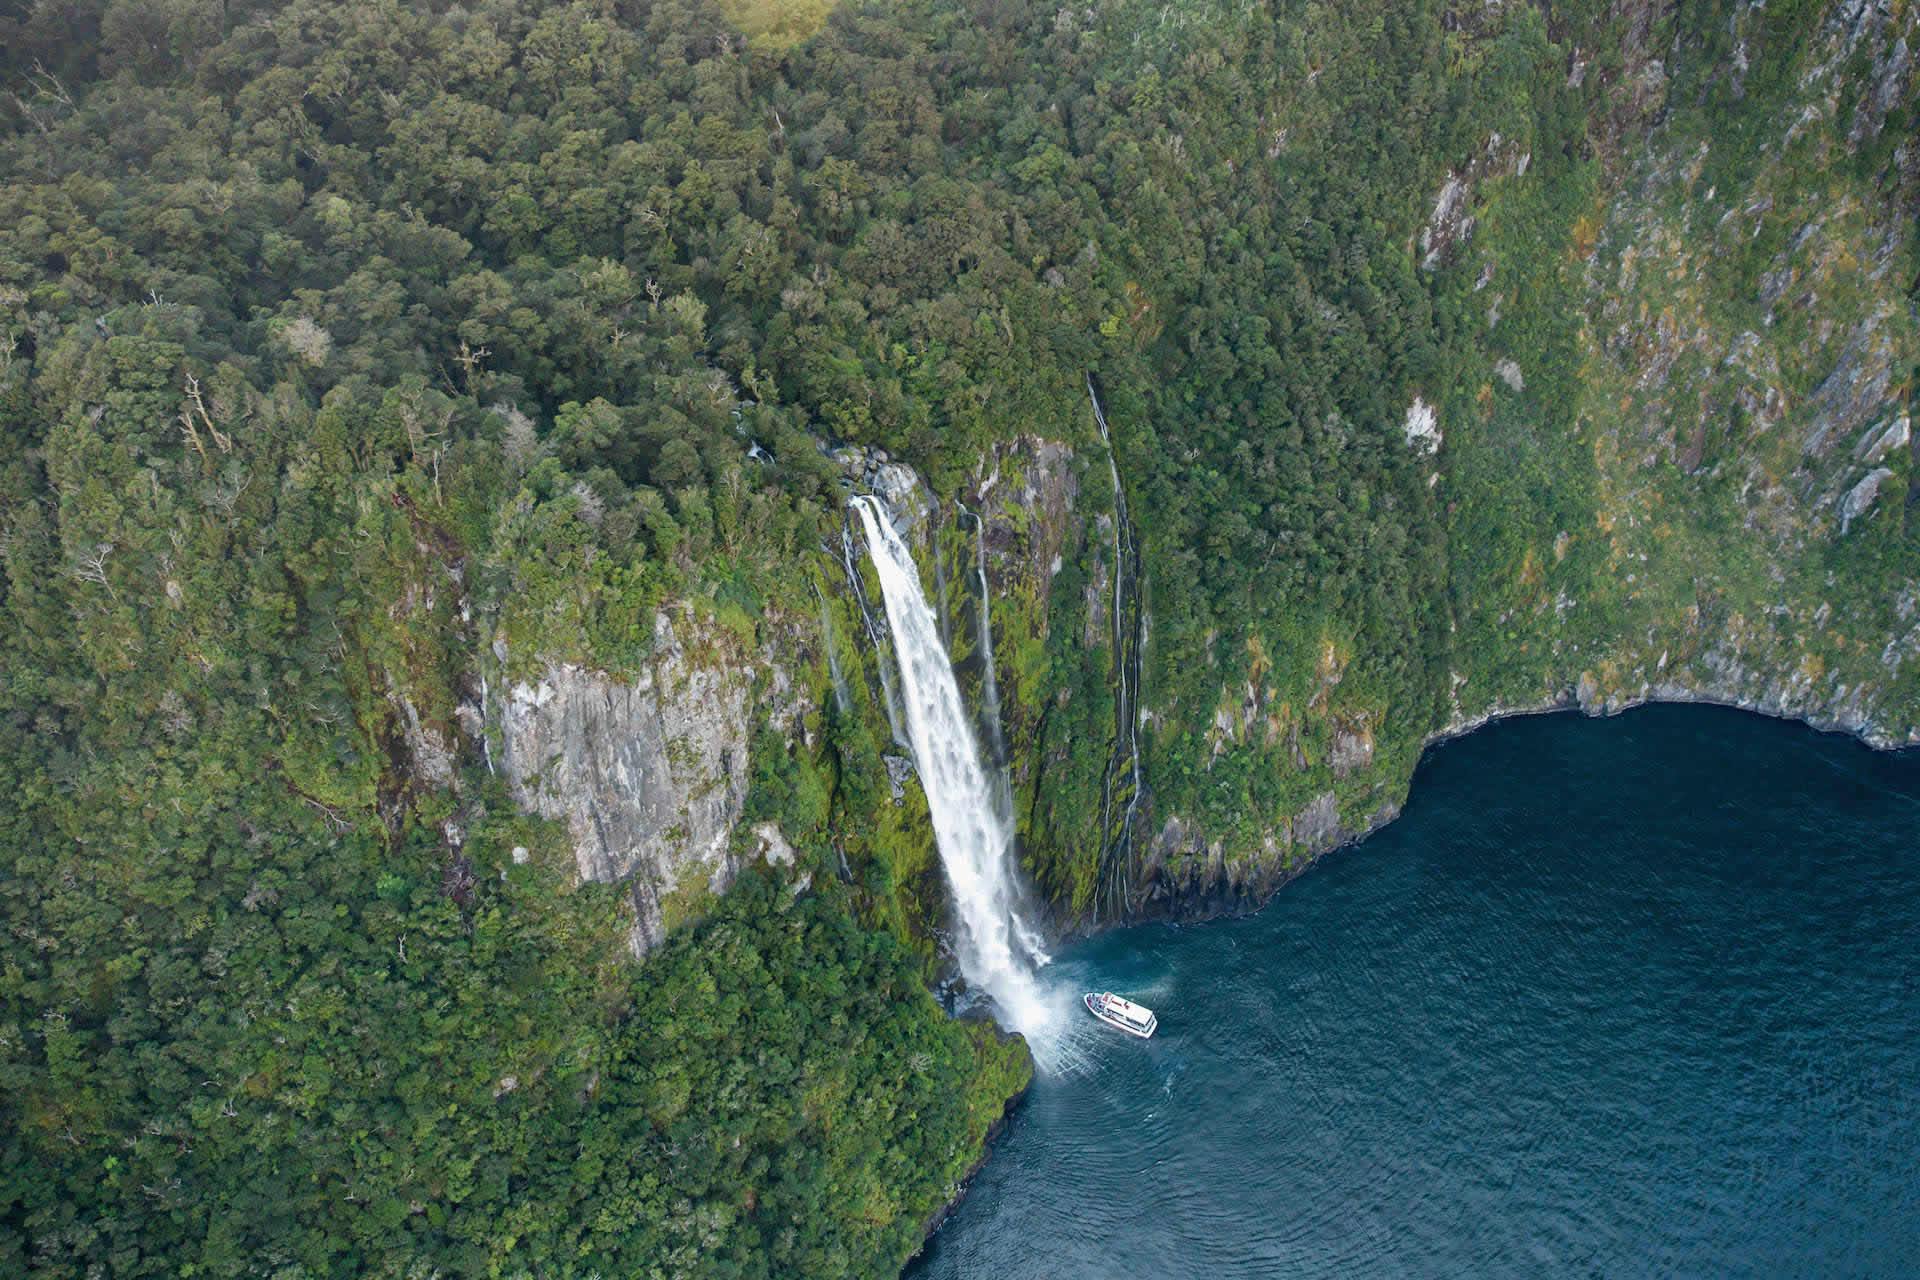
1862 496
427 747
1318 825
1189 873
1352 748
898 487
899 772
649 776
773 845
1878 442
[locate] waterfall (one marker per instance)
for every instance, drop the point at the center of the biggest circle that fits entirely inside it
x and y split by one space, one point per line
1129 651
840 697
989 680
889 699
999 951
486 738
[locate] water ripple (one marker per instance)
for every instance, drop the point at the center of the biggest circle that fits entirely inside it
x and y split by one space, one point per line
1636 997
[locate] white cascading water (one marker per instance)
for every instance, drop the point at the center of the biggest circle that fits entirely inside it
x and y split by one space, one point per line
998 950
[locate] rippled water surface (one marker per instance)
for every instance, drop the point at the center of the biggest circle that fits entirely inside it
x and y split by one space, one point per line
1635 996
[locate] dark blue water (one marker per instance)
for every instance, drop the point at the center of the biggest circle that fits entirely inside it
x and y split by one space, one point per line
1623 997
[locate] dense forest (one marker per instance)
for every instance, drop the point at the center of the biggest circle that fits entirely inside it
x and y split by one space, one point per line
351 353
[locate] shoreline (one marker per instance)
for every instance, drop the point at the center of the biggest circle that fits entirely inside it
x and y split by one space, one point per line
1182 907
938 1217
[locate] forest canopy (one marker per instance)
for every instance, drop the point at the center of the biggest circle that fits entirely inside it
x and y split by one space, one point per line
341 342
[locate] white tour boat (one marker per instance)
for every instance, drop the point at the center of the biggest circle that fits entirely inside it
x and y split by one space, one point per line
1134 1019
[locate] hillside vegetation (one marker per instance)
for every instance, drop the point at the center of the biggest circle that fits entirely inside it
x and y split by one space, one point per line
354 355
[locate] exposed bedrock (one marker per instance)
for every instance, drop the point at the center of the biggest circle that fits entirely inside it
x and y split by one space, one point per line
649 774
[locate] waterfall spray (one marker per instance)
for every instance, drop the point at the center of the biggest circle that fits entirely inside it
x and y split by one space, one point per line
999 951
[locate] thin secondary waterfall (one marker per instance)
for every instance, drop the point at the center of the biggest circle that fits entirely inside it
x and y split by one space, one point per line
1129 651
840 697
890 700
989 681
940 594
998 950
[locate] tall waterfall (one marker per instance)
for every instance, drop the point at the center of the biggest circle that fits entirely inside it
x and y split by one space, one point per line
998 949
887 694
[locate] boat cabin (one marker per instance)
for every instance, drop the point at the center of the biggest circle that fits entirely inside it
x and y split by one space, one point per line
1115 1011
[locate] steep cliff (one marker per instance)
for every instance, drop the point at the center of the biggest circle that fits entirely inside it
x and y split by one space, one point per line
1669 458
1653 443
649 774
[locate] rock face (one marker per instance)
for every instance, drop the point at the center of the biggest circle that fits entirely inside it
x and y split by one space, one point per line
649 776
1188 875
1028 494
899 487
1791 695
1423 427
1861 496
1877 444
1452 221
1318 825
1352 749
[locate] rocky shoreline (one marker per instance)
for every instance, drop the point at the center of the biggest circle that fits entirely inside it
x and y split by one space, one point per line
1219 899
938 1217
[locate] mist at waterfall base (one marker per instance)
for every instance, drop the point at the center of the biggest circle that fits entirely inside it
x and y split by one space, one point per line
1637 996
998 948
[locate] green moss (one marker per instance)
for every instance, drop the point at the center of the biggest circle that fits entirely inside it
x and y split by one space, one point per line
685 903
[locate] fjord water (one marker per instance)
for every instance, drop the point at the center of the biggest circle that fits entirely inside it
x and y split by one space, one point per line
1628 997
